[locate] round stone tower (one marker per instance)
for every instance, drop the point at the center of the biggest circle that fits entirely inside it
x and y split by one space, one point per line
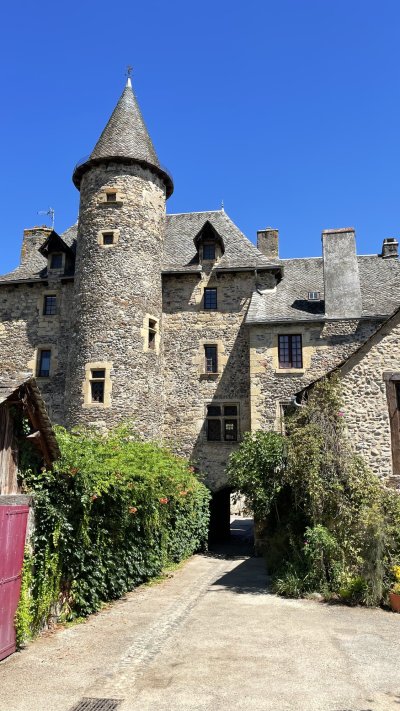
115 363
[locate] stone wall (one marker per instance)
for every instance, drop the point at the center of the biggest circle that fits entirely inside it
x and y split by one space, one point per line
324 346
187 328
365 397
24 330
116 286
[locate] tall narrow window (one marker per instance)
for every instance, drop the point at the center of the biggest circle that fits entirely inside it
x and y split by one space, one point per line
50 305
209 250
222 422
44 364
97 381
56 261
210 298
290 351
211 359
152 334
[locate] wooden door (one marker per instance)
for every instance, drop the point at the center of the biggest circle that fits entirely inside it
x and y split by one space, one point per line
13 520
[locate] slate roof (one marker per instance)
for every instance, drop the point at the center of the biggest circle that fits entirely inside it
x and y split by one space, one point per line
379 281
180 252
35 268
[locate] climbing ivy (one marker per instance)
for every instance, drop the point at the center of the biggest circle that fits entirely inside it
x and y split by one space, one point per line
111 514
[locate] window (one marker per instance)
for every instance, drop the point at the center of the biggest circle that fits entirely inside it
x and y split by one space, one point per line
290 351
56 261
97 380
111 197
50 305
44 364
209 250
222 423
211 359
152 334
314 295
210 298
108 238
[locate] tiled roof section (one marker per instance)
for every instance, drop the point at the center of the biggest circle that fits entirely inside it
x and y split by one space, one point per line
379 281
125 134
180 252
69 236
26 272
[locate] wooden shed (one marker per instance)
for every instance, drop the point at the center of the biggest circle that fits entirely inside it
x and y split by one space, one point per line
21 397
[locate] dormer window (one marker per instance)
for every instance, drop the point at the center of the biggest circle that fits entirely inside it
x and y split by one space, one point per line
56 260
209 251
314 295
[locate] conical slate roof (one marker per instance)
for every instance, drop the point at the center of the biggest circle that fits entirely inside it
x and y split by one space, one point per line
126 135
125 139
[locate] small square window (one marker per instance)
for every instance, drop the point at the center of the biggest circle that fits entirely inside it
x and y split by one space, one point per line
98 374
111 197
50 305
210 298
209 250
211 359
213 410
56 261
44 364
108 238
314 295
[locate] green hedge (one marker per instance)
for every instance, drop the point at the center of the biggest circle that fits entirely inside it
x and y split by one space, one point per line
113 513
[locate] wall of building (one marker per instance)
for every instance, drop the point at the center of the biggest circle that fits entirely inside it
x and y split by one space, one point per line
187 327
366 392
24 330
117 288
324 346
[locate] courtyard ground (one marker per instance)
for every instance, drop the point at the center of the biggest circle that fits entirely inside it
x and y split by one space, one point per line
211 637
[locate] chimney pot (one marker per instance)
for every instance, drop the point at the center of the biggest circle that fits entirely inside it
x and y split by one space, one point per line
390 248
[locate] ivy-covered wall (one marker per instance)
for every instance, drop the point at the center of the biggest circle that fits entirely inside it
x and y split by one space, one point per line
112 514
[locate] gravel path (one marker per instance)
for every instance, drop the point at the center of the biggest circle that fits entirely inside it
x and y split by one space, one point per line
211 637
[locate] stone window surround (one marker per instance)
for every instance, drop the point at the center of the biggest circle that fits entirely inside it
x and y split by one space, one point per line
101 233
199 359
144 332
306 351
34 363
222 441
46 319
86 387
102 197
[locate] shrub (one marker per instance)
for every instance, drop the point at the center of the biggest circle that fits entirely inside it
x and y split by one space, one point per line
111 514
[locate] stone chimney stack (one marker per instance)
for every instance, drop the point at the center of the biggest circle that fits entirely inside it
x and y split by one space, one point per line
390 248
268 242
341 278
32 241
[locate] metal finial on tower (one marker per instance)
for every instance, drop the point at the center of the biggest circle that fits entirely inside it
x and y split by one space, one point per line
222 205
129 71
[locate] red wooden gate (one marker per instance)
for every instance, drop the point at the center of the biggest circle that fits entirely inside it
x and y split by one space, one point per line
13 521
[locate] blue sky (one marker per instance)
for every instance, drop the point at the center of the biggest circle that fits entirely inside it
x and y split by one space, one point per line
289 111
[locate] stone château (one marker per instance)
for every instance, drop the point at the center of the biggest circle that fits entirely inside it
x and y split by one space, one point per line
178 321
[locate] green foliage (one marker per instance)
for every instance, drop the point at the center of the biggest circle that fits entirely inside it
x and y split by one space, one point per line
337 527
112 514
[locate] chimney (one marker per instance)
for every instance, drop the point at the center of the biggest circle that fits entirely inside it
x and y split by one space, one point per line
341 279
390 248
32 240
268 242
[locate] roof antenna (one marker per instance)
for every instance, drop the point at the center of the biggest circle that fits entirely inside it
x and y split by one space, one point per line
50 213
222 206
128 74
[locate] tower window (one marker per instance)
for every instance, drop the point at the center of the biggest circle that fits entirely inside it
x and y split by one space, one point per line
152 334
44 363
209 250
290 351
56 261
222 422
111 197
50 305
211 359
97 381
210 298
108 238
